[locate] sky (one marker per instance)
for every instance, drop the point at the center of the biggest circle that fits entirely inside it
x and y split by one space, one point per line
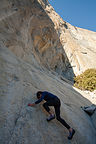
80 13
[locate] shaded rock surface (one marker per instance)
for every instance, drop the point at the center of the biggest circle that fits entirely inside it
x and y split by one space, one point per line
32 36
94 119
32 55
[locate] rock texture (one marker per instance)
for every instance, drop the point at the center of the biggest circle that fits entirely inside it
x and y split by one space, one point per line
39 32
34 49
32 35
19 82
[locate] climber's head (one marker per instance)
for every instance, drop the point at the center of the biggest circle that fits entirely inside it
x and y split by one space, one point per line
39 94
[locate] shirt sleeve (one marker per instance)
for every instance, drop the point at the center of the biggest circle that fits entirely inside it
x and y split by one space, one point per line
42 97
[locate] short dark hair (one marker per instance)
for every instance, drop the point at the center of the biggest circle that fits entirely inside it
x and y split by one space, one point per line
38 94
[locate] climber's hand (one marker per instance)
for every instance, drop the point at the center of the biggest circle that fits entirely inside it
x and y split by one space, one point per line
32 105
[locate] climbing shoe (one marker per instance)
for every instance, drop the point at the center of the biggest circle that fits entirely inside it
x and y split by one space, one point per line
51 117
71 134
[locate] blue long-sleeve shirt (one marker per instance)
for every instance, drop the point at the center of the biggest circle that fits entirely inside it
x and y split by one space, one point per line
46 96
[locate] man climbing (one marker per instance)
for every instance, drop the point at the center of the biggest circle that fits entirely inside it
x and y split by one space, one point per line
52 100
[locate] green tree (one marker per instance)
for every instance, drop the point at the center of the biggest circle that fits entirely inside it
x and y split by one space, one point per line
86 80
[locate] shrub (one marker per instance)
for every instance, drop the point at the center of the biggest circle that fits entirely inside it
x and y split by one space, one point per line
86 80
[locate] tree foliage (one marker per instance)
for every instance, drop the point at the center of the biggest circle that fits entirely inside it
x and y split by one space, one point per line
86 80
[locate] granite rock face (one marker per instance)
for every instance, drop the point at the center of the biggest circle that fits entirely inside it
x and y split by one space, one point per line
39 33
32 35
78 44
19 82
33 51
